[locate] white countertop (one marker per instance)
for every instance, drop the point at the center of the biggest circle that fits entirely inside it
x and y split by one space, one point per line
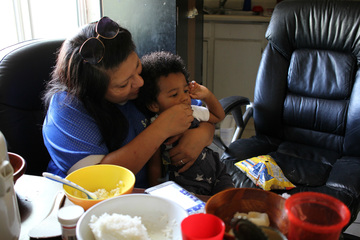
236 18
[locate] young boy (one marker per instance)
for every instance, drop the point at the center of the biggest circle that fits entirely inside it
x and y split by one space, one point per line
165 85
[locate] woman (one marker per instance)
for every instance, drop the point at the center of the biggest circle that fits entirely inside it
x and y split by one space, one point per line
91 118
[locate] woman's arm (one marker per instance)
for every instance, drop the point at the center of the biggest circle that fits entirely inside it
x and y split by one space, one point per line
154 168
137 152
191 144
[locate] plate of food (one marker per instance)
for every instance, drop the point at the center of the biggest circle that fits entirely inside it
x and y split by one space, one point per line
263 208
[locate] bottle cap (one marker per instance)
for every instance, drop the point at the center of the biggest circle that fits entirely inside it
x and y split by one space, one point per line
70 215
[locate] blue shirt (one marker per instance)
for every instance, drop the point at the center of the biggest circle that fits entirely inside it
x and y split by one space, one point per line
71 134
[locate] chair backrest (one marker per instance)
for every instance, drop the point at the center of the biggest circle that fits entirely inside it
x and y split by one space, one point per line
308 85
24 70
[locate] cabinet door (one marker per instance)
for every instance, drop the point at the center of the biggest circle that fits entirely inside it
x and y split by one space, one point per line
236 64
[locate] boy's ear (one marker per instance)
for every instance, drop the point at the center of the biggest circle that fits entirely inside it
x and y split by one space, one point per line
153 107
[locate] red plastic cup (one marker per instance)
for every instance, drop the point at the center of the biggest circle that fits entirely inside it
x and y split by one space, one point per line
315 216
202 226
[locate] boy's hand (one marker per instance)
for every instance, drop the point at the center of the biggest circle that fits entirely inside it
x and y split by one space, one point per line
198 91
202 93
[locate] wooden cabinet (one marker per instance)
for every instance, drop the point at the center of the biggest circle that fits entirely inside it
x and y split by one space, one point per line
231 56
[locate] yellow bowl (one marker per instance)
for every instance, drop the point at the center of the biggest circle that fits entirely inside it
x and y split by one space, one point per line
102 176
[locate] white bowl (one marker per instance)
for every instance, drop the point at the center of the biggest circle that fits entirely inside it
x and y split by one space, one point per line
156 213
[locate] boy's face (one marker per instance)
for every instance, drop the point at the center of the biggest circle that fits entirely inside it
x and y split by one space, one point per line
173 89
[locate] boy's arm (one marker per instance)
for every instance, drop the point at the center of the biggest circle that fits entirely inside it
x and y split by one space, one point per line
201 92
154 168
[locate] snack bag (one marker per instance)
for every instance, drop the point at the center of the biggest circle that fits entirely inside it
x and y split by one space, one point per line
264 172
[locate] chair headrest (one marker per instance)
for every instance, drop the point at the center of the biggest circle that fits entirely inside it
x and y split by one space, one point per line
320 24
24 70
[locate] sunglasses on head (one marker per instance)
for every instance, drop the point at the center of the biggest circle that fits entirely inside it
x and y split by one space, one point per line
93 49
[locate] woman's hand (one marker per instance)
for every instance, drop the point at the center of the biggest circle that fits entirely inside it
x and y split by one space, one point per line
191 144
175 120
138 151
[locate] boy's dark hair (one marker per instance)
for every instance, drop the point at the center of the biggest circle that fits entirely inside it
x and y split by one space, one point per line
154 66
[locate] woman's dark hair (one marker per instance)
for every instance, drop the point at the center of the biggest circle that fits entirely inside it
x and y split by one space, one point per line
89 82
154 66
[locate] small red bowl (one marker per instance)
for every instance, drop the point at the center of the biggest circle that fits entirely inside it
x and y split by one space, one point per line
19 165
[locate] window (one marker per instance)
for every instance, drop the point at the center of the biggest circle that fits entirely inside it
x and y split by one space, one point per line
31 19
8 34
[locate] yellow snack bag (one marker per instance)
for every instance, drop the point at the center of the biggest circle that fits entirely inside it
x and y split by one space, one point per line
264 172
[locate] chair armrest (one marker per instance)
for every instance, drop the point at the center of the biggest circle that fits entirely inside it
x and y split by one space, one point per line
228 103
235 105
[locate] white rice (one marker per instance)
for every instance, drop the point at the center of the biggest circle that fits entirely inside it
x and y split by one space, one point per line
118 226
102 193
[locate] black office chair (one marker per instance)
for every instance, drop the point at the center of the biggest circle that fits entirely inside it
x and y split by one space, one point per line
306 107
24 70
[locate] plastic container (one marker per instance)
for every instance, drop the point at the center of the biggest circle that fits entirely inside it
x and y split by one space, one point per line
10 222
68 218
202 226
315 216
